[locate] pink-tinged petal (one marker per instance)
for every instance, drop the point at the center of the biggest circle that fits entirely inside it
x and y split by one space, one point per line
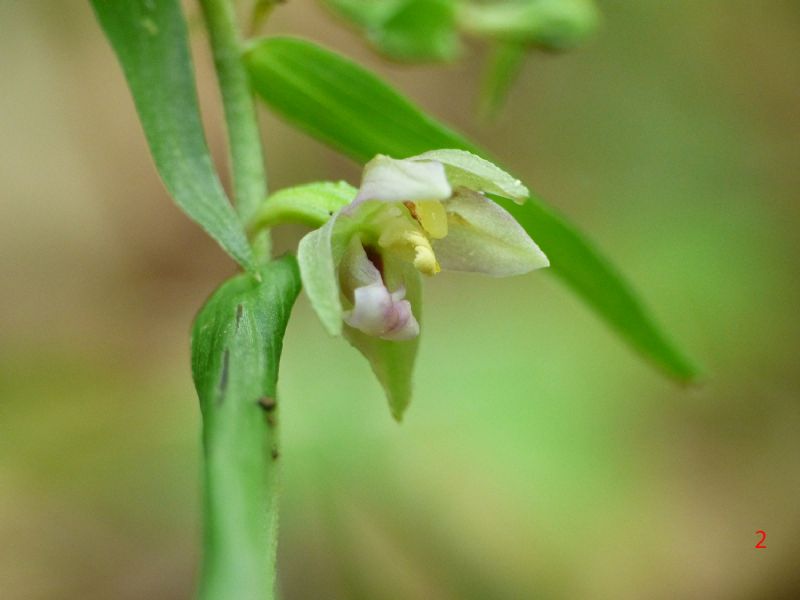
379 313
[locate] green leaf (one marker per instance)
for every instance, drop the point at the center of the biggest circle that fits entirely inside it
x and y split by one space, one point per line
393 361
236 345
504 66
345 105
368 14
149 38
578 264
310 204
341 103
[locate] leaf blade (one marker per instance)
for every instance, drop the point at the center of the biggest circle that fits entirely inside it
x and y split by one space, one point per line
346 106
590 275
150 41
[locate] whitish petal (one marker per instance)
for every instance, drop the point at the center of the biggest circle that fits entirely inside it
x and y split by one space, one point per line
482 237
318 254
389 180
473 172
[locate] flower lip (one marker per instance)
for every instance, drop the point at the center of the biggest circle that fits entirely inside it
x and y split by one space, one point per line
381 313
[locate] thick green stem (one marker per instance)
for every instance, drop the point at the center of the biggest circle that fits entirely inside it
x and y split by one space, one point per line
239 501
240 494
236 346
246 154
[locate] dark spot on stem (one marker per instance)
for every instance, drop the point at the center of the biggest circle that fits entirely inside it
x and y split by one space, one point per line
268 403
275 454
223 378
239 310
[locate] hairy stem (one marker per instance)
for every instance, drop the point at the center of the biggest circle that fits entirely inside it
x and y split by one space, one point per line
246 154
240 501
236 346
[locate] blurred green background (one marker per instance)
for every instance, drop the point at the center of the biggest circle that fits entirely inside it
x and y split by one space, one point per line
540 457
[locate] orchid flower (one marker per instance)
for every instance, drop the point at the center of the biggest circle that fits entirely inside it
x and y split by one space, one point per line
410 217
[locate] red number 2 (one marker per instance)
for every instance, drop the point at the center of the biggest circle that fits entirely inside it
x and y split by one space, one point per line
760 543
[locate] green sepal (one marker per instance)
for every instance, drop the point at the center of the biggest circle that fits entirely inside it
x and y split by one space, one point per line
318 254
471 171
309 204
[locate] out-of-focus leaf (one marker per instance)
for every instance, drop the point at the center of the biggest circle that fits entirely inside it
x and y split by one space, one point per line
420 30
236 346
368 14
348 107
578 264
406 30
549 24
505 64
149 38
311 204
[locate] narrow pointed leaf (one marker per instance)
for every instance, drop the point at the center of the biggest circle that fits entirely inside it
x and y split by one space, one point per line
236 345
346 106
149 38
341 103
504 64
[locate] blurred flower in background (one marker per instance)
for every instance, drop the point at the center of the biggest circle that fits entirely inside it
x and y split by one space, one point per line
561 468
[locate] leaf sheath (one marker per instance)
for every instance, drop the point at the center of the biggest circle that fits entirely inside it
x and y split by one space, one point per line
236 346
